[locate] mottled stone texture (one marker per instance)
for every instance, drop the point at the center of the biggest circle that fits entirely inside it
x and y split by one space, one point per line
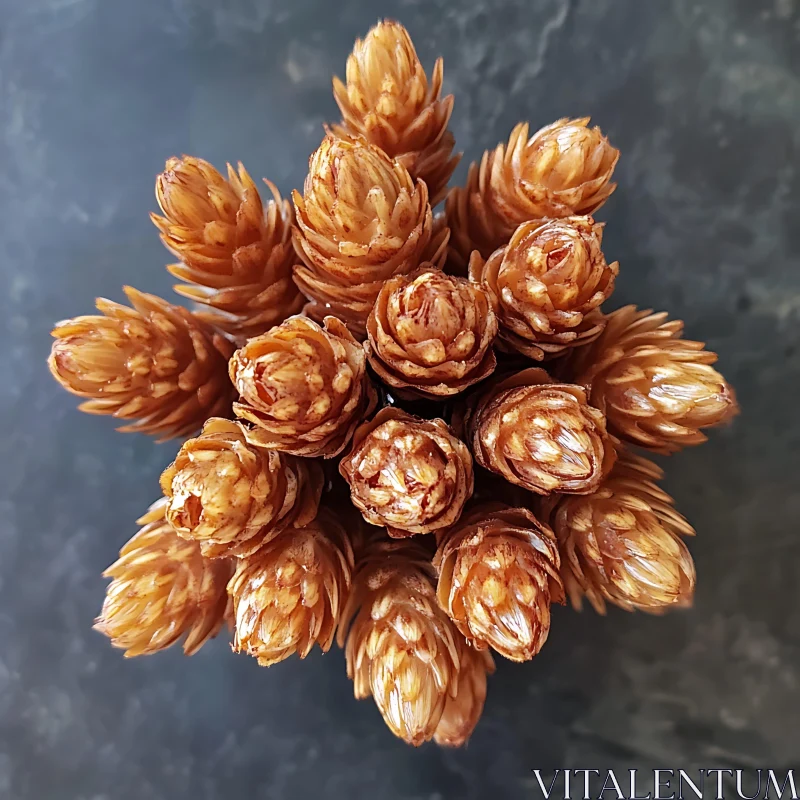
703 98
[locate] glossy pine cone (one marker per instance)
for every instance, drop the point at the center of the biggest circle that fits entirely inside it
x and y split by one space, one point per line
155 364
232 497
303 387
236 255
657 390
360 220
409 474
163 590
498 573
563 170
539 434
430 334
623 544
548 284
288 596
401 647
388 101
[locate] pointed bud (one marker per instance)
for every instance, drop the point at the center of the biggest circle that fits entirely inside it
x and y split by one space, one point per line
288 596
153 363
162 589
232 497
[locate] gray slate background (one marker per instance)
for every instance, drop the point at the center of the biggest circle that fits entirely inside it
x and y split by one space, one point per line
703 98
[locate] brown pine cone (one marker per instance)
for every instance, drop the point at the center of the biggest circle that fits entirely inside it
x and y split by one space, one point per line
288 595
236 255
154 363
232 497
409 474
388 101
539 434
361 220
562 170
462 711
430 334
303 387
498 573
401 647
161 590
622 544
548 285
657 390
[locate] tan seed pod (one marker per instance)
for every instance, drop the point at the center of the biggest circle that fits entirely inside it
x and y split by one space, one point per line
622 545
162 589
562 170
657 390
498 573
288 596
303 387
236 254
430 334
153 363
409 474
401 648
463 710
548 284
361 219
232 497
388 101
539 434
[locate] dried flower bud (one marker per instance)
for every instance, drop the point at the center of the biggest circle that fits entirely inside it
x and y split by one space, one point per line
409 474
288 595
622 544
541 435
236 255
430 334
232 497
498 573
562 170
548 283
361 220
154 363
388 101
656 390
462 711
161 590
304 388
401 647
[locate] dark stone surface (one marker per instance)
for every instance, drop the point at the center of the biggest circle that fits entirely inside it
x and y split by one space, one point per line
704 100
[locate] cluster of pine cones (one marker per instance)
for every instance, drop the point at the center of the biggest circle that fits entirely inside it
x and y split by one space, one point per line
453 376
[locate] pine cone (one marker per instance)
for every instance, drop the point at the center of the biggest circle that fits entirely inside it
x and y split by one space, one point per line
498 573
388 101
409 474
361 220
304 388
288 595
541 435
161 590
656 390
548 284
622 544
462 712
562 170
237 254
154 363
232 497
430 335
401 648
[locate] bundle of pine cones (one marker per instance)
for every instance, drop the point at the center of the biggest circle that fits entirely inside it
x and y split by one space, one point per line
457 369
